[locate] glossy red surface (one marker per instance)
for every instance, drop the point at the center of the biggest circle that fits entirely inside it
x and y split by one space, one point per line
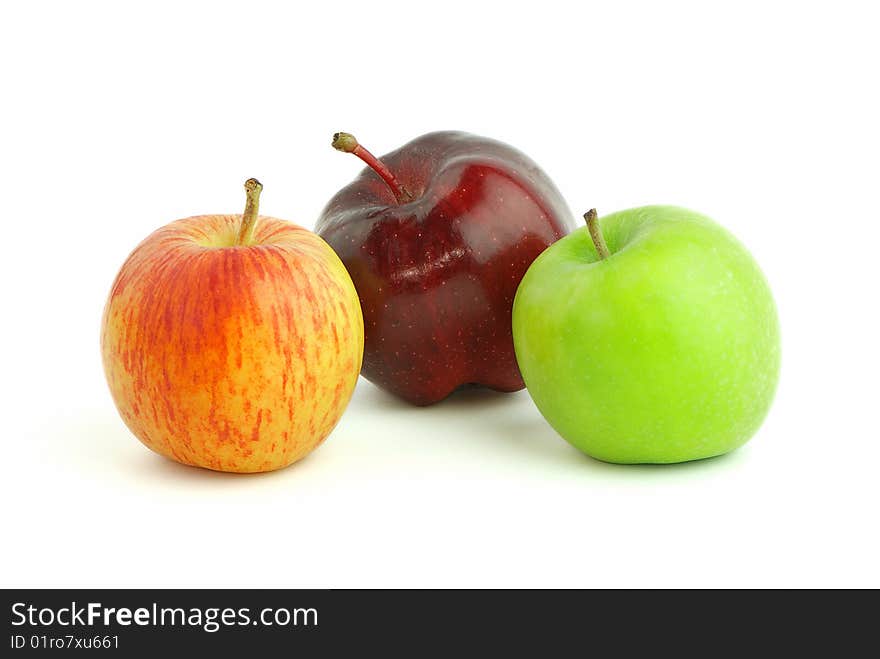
437 276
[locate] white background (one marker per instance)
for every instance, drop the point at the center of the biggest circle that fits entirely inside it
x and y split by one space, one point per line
116 120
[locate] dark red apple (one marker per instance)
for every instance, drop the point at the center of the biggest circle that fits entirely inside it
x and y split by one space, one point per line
437 236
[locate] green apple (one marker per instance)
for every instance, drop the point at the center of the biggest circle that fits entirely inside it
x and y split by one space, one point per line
650 335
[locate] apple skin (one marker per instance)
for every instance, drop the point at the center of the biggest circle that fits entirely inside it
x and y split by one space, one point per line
232 358
666 351
437 275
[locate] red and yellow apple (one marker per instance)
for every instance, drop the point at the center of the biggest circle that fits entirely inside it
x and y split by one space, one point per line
232 342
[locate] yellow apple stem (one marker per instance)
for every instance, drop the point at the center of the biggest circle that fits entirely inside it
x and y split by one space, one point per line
592 219
252 188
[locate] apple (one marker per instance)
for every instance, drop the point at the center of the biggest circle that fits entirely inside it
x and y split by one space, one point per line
436 236
232 342
649 336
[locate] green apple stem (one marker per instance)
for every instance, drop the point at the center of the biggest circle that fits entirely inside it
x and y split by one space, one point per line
592 219
252 188
347 143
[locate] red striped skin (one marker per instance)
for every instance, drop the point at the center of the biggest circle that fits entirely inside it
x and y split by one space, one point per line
232 358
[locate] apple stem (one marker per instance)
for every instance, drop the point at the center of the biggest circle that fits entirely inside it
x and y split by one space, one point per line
252 188
592 219
347 143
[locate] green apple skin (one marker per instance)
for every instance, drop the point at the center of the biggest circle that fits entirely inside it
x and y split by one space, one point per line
666 351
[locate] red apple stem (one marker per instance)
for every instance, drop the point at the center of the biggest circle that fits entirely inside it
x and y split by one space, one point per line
252 188
592 219
347 143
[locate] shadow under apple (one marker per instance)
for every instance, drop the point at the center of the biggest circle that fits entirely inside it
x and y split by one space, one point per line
489 425
113 452
475 423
